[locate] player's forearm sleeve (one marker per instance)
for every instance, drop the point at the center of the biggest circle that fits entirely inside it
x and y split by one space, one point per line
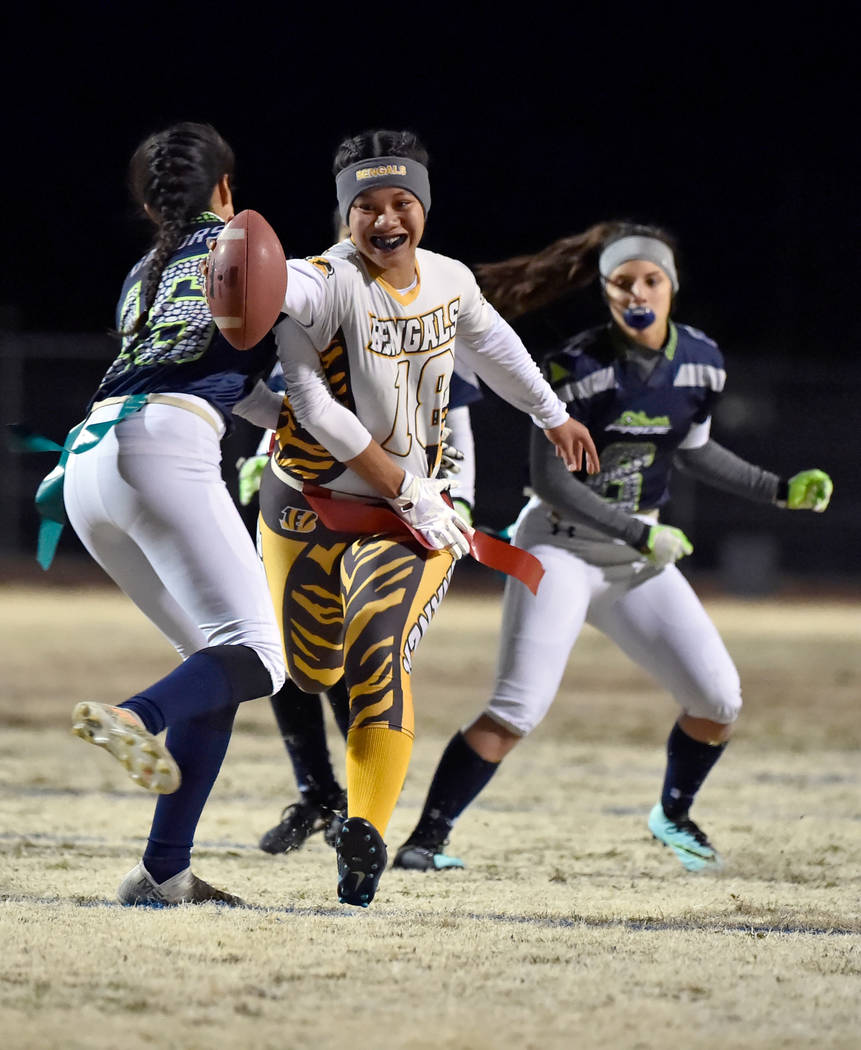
715 465
503 362
575 502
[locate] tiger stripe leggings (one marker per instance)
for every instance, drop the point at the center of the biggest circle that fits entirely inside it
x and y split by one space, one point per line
347 604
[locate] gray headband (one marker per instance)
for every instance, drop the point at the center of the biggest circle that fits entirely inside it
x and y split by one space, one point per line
649 248
404 172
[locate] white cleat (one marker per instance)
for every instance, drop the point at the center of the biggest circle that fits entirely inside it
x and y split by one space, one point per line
140 890
119 731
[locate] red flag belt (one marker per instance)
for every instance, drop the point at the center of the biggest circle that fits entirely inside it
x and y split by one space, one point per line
341 515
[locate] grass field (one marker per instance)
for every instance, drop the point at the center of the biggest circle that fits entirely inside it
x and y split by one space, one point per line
570 927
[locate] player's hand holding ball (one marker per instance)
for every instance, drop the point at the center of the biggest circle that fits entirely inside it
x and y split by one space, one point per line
665 544
809 490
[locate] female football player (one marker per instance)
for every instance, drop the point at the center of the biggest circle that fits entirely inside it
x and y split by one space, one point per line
144 492
368 352
646 387
322 801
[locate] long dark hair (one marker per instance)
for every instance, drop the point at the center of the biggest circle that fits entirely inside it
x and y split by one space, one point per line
379 143
173 174
526 282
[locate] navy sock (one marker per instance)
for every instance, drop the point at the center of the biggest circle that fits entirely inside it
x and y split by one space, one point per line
219 676
199 746
459 778
688 764
300 720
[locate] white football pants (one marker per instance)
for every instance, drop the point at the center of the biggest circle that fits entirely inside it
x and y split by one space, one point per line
653 615
150 505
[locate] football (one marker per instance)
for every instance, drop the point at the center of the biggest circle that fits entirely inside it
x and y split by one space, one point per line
246 278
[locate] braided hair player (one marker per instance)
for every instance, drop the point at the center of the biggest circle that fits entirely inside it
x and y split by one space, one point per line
147 500
646 387
368 351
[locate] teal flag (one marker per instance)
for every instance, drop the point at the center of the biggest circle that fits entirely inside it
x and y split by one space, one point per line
49 495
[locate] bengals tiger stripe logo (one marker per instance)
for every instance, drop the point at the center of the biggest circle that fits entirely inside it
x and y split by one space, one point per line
295 519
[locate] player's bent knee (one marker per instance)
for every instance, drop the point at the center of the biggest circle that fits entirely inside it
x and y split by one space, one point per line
515 715
508 720
723 709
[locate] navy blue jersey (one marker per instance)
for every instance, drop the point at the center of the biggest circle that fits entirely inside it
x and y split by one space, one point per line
464 389
637 424
179 349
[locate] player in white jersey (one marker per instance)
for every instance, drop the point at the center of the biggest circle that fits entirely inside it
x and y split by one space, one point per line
646 388
368 353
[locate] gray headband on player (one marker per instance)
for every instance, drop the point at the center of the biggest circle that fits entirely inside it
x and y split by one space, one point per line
649 248
404 172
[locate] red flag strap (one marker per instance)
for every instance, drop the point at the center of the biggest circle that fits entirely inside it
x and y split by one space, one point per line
344 515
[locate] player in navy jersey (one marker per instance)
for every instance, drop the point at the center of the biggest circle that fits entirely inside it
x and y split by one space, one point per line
646 387
143 491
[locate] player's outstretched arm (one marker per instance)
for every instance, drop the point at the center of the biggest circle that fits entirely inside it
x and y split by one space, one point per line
572 441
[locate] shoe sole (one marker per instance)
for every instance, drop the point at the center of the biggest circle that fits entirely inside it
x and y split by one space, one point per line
146 760
361 861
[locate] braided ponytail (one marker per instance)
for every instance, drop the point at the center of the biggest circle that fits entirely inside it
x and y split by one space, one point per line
527 282
171 176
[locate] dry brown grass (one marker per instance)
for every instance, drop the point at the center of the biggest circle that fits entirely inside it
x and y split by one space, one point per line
570 927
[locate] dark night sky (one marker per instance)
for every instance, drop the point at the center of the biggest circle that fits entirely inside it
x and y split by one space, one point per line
737 132
729 134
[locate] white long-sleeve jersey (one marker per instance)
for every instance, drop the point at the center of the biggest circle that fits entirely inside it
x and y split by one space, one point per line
364 360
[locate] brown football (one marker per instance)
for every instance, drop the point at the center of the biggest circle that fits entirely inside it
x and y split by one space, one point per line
246 278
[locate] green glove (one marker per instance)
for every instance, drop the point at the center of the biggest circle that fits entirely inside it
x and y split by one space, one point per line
250 476
463 509
665 545
809 490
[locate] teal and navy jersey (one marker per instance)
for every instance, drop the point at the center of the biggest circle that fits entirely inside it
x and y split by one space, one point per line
636 423
180 350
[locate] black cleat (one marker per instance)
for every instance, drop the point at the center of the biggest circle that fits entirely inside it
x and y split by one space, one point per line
301 820
414 857
362 859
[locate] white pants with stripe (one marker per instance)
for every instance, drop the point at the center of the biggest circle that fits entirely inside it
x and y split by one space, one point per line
653 615
150 505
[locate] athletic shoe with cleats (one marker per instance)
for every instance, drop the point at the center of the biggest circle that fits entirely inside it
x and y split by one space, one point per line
120 732
302 819
686 839
140 890
362 859
413 857
336 822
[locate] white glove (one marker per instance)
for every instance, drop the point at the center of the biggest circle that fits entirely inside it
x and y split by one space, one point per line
420 504
451 458
665 545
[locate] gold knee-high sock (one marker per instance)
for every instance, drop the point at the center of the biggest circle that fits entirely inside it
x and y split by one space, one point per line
377 761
